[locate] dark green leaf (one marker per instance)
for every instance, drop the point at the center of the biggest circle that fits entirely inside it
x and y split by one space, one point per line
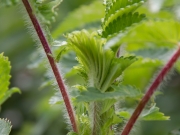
92 94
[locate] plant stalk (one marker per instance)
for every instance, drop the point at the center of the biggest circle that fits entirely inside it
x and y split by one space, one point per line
150 92
52 62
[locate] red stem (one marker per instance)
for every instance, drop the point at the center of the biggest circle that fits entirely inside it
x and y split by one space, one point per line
52 62
149 93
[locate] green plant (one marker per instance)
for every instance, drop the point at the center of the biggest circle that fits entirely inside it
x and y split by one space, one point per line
105 68
5 93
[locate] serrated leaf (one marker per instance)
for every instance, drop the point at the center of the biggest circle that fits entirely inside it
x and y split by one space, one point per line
119 4
5 127
4 75
80 17
4 79
154 114
93 94
121 23
120 9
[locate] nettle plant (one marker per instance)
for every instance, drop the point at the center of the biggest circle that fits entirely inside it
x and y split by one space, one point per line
117 59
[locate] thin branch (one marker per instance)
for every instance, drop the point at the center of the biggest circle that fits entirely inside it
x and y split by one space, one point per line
52 62
150 91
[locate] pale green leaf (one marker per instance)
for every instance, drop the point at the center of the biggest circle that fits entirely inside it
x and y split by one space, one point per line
8 2
100 65
124 114
154 114
141 72
4 79
150 34
72 133
5 127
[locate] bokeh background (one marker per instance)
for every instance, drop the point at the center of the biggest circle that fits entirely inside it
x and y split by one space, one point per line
30 111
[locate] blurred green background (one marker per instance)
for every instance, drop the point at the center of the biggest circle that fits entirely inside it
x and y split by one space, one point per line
30 112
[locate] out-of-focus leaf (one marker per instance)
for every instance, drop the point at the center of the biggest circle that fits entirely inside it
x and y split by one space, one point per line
158 53
46 10
80 17
175 132
8 2
5 127
124 114
8 94
154 114
140 73
150 34
72 133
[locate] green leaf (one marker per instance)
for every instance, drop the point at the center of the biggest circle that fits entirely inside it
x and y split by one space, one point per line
154 114
5 127
121 23
4 79
80 17
101 65
72 133
124 114
46 10
4 75
119 15
8 94
141 72
175 132
150 34
8 3
120 4
158 53
92 94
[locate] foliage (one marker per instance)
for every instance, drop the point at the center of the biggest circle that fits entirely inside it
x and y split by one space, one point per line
4 80
110 74
5 126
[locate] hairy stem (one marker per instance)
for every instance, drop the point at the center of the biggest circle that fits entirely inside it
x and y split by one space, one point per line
52 62
96 119
150 91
